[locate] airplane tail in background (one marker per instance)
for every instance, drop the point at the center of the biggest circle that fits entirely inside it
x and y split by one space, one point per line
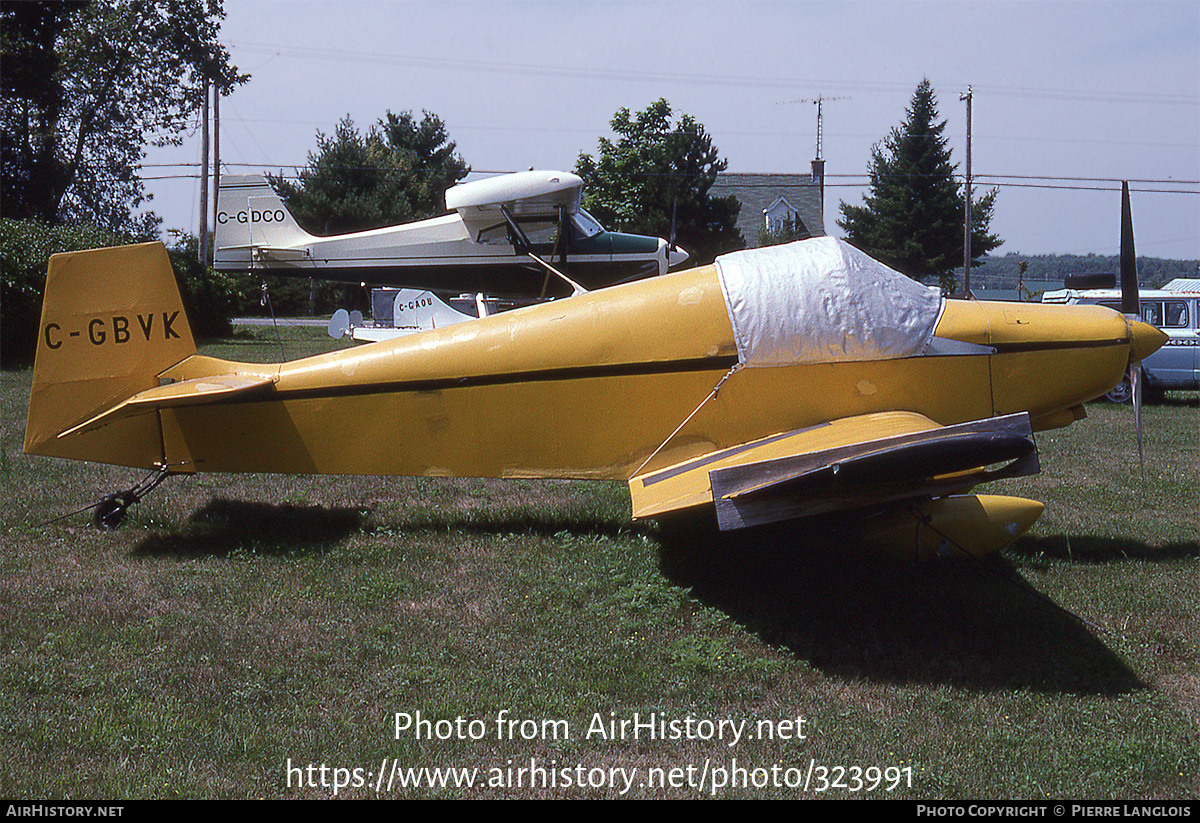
252 218
112 321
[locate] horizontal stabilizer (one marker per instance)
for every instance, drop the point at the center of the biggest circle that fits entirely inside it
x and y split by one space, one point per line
197 392
271 253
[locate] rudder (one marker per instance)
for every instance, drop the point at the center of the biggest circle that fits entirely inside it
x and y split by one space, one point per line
112 321
251 218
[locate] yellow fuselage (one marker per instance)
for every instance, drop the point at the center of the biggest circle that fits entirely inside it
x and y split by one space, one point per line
591 386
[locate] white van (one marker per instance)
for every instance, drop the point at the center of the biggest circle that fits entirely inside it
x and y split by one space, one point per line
1175 308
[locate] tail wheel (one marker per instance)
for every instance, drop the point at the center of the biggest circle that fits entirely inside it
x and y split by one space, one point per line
110 514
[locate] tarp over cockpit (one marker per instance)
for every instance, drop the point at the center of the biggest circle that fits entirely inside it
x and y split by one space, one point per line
822 301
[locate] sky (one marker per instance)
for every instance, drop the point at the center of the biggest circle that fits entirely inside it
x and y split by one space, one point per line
1069 97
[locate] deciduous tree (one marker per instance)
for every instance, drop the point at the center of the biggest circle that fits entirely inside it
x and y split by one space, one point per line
86 87
656 175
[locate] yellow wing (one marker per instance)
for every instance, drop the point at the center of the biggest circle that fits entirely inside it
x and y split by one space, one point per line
844 464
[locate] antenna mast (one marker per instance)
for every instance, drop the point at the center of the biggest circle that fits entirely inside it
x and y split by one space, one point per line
819 100
818 164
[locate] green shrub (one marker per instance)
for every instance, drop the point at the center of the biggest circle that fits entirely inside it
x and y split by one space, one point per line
25 250
208 295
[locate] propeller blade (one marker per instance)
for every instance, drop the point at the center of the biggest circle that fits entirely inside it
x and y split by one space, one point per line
1129 275
1135 381
1131 307
671 241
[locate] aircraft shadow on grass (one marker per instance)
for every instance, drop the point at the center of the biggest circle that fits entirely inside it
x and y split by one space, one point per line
1085 548
225 527
974 625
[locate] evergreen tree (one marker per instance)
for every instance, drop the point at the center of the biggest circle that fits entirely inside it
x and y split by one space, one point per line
913 218
422 148
657 176
398 171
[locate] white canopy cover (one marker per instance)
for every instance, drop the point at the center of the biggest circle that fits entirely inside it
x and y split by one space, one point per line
820 301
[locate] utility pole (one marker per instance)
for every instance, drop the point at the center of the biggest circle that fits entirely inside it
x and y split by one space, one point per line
202 248
967 95
216 170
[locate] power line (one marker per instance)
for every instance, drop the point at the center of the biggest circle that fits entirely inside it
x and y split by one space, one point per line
1011 181
1097 179
460 127
856 176
460 64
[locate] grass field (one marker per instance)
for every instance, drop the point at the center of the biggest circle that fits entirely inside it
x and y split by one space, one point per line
279 637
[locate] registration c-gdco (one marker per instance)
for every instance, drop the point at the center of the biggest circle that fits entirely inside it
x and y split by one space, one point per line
253 216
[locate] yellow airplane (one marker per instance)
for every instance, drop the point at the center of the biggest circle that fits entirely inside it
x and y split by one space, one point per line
787 382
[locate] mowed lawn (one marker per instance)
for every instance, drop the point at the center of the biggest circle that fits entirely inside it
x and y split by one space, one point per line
360 637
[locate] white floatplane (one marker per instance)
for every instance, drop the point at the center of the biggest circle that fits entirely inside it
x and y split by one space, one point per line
522 234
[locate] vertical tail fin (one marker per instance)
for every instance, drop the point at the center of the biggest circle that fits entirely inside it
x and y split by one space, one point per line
112 321
251 217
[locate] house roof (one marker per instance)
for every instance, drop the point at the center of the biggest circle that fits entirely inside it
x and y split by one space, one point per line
758 192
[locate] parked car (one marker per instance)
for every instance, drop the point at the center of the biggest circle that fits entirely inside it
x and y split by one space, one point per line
1175 309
